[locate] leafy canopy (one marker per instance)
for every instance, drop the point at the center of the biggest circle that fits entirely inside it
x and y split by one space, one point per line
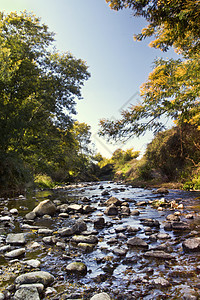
173 87
38 87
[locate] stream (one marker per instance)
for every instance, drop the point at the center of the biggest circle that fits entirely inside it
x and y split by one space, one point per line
138 252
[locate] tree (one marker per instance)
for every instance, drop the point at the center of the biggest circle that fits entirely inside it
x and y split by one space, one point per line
38 92
173 23
37 88
173 88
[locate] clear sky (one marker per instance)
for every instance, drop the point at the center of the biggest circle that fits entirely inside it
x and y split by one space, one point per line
103 38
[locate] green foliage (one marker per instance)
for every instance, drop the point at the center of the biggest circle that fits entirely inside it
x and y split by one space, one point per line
38 89
14 173
173 88
43 181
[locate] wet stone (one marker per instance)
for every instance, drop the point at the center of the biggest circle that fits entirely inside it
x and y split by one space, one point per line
46 207
27 293
173 217
45 231
111 211
158 254
113 201
137 242
35 277
120 251
39 286
76 268
15 253
161 282
101 296
191 245
99 222
90 239
150 222
182 226
135 212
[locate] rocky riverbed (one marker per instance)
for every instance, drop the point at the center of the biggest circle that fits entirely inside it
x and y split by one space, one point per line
100 241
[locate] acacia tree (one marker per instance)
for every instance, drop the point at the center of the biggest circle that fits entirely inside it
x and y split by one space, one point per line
173 87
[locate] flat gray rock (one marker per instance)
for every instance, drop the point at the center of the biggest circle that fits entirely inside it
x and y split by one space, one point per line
15 253
90 239
27 293
158 254
15 239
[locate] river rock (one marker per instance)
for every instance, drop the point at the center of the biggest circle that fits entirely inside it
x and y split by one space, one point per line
45 231
150 222
161 282
79 226
39 286
132 230
30 216
125 210
112 210
88 209
101 296
191 245
99 222
90 239
46 207
158 254
86 247
137 242
120 251
15 239
182 226
34 263
15 253
35 277
63 208
28 293
14 211
77 268
172 217
135 212
113 201
77 208
163 236
5 248
161 191
66 231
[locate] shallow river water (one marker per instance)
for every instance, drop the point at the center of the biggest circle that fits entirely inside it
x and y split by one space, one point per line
113 266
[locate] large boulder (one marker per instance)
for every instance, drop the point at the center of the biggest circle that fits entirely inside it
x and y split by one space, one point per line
35 277
46 207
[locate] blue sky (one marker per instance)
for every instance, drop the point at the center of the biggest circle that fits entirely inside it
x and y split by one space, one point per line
103 38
